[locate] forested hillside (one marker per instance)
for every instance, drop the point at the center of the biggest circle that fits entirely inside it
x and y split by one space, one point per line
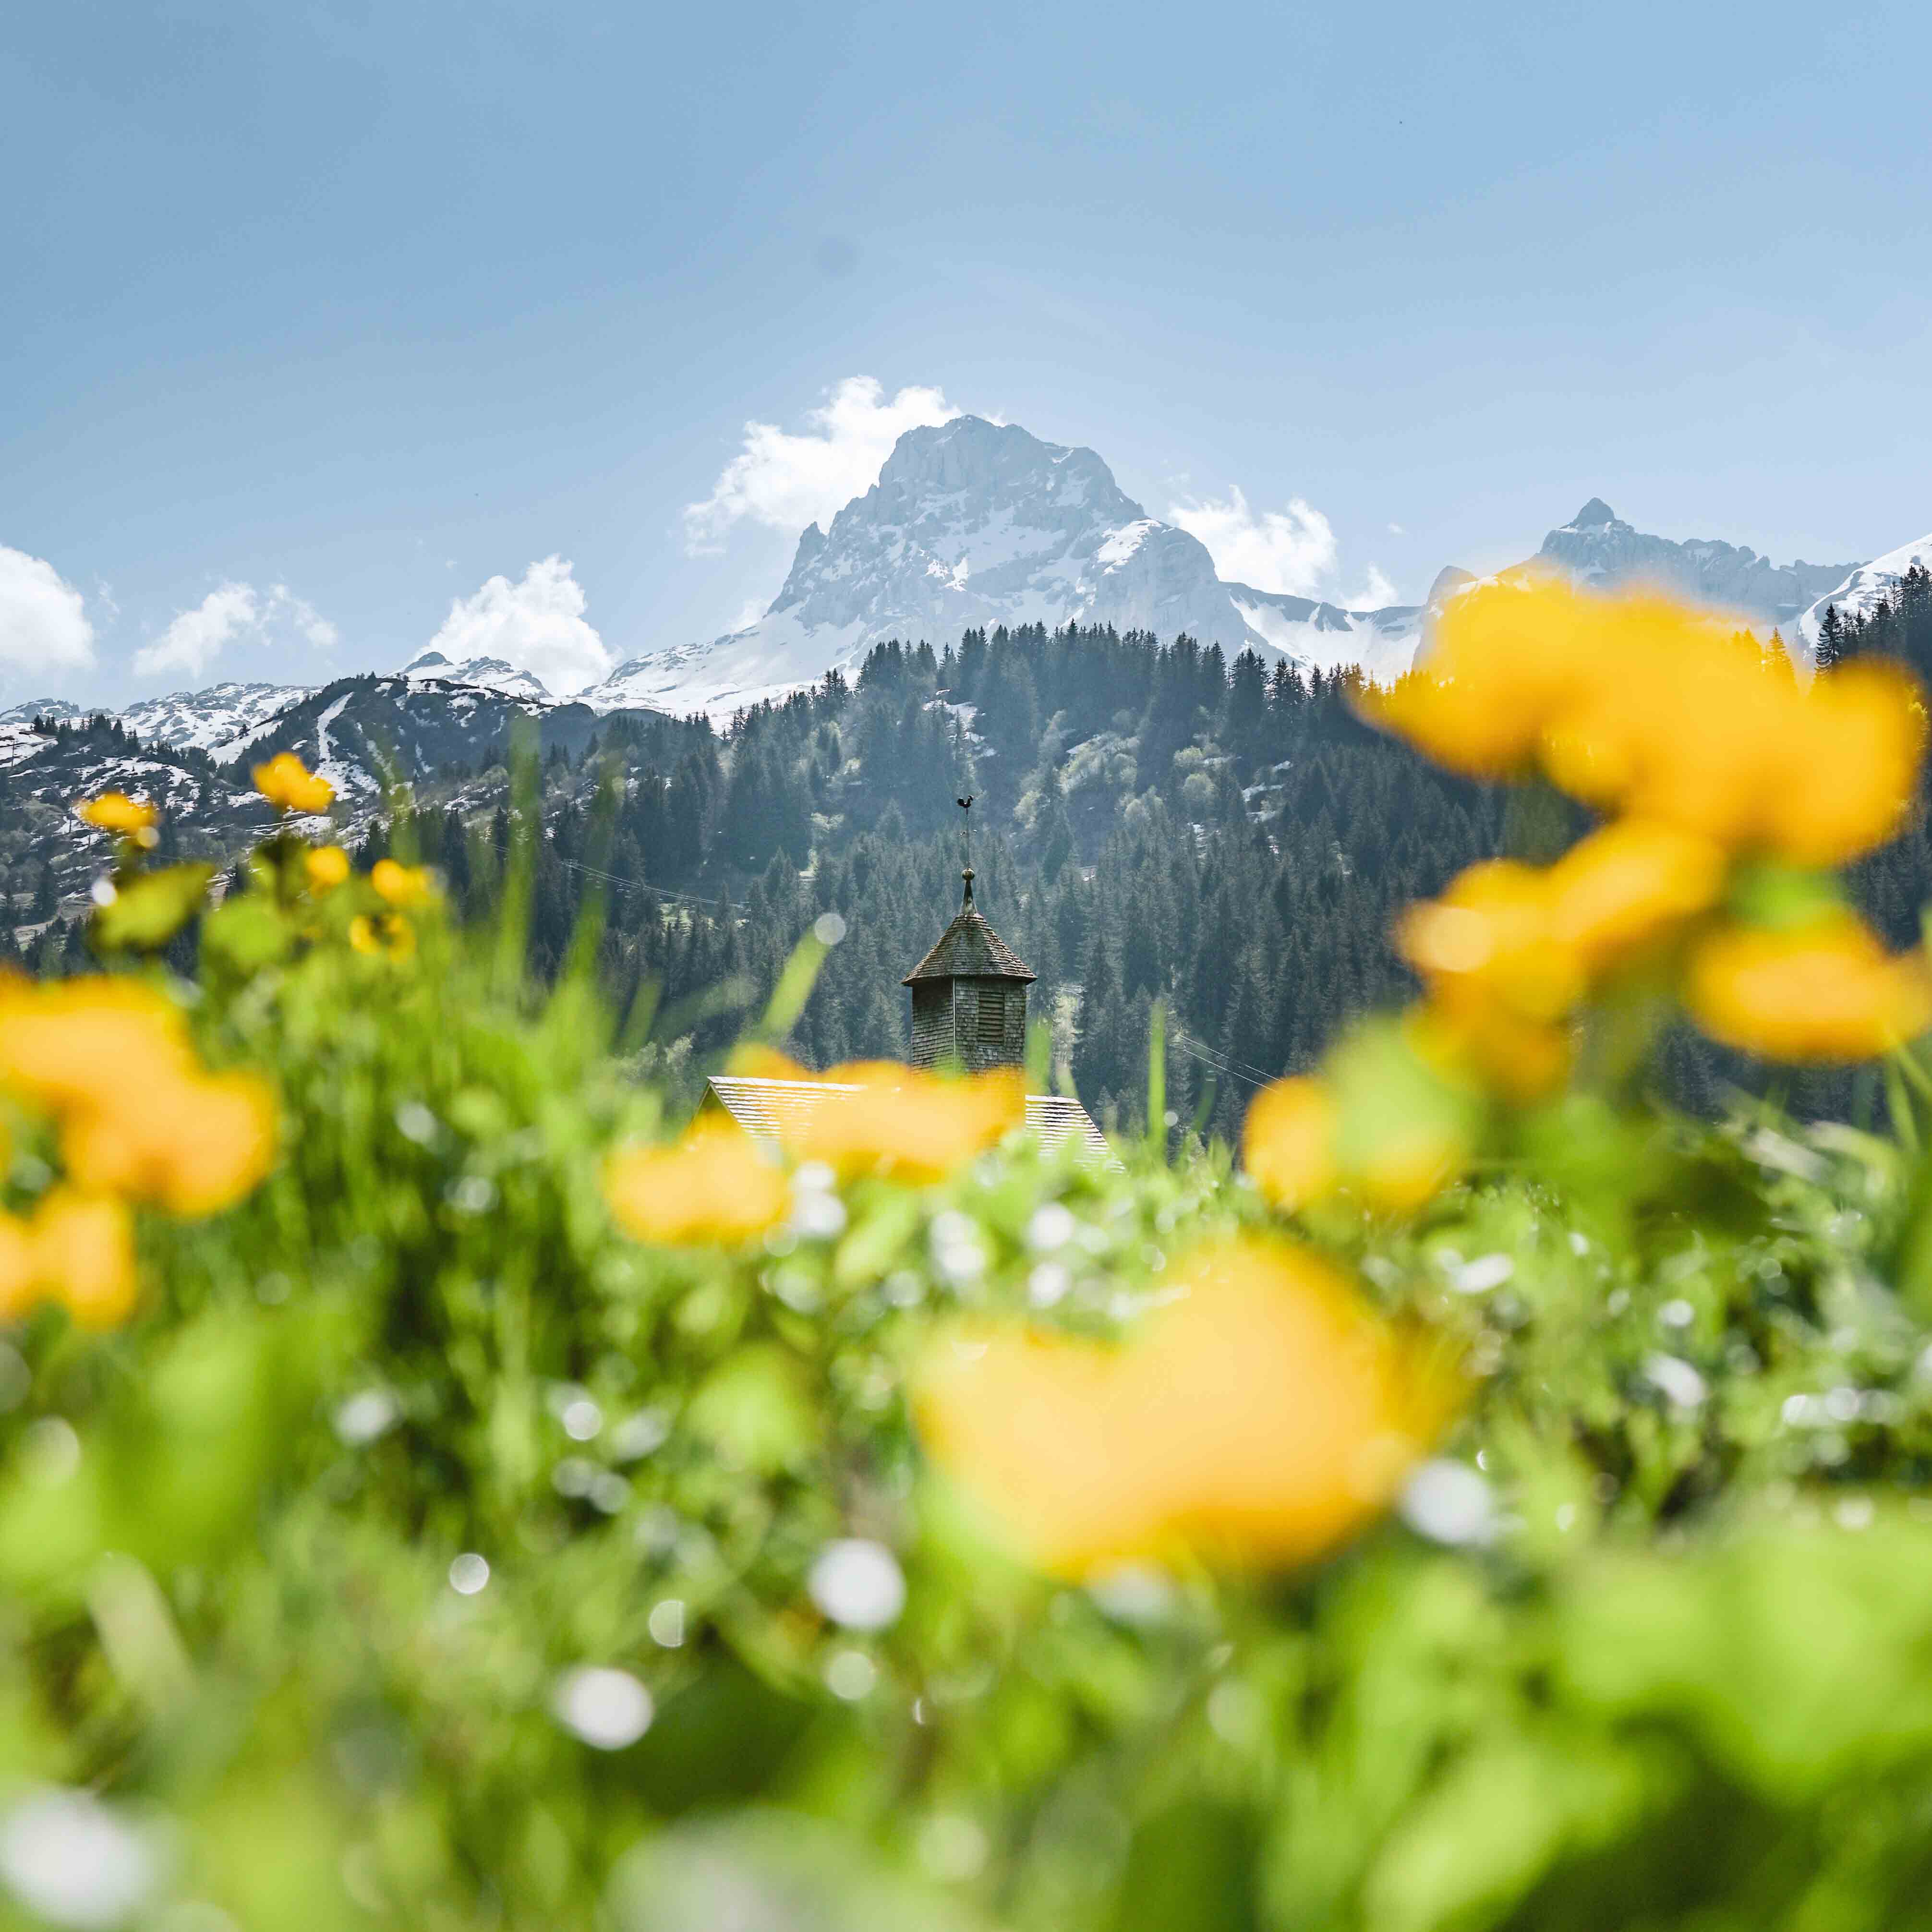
1151 822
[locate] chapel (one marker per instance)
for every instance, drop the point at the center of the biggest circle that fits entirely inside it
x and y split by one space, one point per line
969 1008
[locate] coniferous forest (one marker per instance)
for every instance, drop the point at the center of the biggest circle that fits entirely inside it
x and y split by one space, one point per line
1151 822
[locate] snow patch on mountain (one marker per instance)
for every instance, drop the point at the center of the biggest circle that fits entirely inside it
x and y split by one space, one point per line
1865 588
431 667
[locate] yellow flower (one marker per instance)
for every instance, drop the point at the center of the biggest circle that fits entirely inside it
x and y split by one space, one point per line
1488 938
110 1058
193 1145
1855 774
1288 1142
327 867
1263 1417
84 1250
402 885
76 1249
1618 891
1637 705
714 1185
1502 659
388 936
92 1042
910 1125
1827 991
1516 1055
289 785
116 811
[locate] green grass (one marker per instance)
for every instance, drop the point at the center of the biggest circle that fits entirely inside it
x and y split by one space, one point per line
1684 1678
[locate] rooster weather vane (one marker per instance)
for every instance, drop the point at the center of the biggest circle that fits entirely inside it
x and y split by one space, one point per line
965 805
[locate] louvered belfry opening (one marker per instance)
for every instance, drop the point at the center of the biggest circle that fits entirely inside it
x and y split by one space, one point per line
969 995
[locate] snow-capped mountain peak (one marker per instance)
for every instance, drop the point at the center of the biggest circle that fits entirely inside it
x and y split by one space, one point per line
1597 548
431 667
977 524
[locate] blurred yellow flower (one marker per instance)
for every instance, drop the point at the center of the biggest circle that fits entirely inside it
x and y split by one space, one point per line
116 811
76 1249
1288 1142
1637 705
715 1184
289 785
1503 659
101 1041
387 936
1488 938
1262 1416
1826 991
1857 772
193 1145
1518 1056
327 867
402 885
110 1059
1618 891
85 1249
904 1122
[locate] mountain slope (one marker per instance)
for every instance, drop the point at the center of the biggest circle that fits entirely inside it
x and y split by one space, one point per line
1862 588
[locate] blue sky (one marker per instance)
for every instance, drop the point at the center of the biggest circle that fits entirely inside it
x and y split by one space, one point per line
319 318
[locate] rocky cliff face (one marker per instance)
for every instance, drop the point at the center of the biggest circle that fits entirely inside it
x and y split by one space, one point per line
1598 546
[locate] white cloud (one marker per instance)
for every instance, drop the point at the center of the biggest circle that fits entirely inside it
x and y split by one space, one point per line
787 482
44 622
195 638
233 614
1293 551
537 624
1374 595
307 619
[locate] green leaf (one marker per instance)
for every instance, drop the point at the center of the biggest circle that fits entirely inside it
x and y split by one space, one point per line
147 911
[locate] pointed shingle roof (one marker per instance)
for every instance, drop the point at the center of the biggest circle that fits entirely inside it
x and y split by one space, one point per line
969 948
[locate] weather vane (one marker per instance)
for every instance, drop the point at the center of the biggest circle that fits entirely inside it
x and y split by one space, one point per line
965 805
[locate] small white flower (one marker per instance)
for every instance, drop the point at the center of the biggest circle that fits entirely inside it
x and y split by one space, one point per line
365 1416
581 1419
1050 1228
468 1572
1680 1382
858 1584
1048 1283
607 1708
71 1859
1449 1502
1484 1272
851 1675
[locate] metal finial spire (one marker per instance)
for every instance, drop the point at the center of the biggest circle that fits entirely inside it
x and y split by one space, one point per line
967 876
965 805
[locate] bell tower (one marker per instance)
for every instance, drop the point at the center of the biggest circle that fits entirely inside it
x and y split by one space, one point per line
969 995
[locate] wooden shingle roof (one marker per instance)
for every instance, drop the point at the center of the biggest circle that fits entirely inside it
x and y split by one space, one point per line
768 1109
969 948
